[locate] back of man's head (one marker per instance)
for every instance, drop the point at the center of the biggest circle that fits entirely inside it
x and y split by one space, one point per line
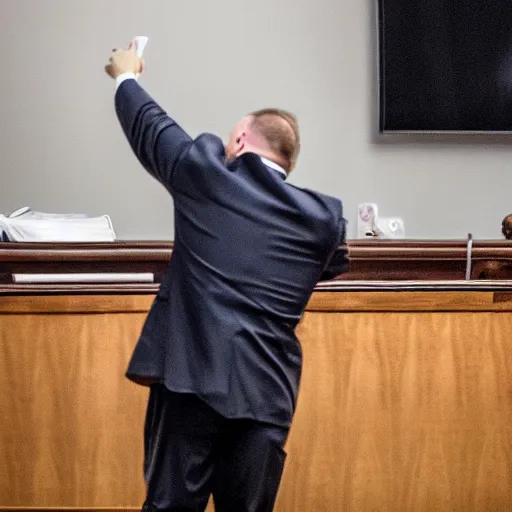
280 130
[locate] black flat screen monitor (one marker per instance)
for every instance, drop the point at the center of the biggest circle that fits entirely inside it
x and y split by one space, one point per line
445 65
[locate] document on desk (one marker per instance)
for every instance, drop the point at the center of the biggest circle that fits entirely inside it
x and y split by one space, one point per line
26 225
104 277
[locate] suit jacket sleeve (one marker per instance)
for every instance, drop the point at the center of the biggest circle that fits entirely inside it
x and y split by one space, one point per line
156 139
339 261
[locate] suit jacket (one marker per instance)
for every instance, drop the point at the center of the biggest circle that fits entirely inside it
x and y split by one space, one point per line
249 248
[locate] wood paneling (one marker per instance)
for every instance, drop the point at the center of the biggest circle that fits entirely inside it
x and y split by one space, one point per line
73 509
71 424
405 403
410 301
402 412
343 301
76 304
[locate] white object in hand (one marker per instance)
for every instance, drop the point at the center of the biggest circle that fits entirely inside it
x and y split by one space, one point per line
141 41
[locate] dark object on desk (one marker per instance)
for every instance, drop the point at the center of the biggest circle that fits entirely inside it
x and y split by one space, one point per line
506 227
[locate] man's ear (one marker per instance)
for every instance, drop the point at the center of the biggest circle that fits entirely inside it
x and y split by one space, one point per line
240 142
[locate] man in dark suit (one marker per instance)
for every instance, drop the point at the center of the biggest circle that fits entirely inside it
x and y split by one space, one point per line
218 349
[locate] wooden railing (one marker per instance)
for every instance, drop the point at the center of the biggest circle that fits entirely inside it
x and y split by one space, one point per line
372 260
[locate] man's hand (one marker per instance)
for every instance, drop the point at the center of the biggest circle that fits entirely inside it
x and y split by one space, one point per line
124 61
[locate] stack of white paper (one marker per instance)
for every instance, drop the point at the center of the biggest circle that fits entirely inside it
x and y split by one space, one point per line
25 225
83 278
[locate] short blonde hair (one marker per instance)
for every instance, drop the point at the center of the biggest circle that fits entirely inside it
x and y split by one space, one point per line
282 138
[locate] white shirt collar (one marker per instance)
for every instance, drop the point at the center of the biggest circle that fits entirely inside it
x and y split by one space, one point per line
274 166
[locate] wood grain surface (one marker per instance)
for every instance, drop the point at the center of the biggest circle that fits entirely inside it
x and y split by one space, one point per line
405 404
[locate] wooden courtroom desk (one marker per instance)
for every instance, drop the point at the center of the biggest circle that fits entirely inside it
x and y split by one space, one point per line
405 401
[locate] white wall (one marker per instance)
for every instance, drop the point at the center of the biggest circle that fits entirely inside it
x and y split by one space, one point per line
208 63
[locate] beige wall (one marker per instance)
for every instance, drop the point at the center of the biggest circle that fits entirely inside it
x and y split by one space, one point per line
208 62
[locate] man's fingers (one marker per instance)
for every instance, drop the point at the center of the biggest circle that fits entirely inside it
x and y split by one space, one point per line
124 59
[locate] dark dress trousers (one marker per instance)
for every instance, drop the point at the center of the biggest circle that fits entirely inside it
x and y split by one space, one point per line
249 249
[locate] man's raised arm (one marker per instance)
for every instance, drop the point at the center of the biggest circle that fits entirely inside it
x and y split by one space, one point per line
156 139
